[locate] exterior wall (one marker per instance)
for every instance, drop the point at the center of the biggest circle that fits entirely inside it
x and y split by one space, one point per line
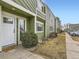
30 24
58 24
50 21
40 16
40 34
39 5
39 10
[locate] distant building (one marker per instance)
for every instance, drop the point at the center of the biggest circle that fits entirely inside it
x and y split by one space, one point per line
71 27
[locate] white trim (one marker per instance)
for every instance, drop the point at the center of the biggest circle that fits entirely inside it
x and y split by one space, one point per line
39 22
35 20
0 28
18 6
36 28
25 24
35 23
39 31
19 19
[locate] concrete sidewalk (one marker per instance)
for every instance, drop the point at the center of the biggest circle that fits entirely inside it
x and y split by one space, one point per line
72 48
19 53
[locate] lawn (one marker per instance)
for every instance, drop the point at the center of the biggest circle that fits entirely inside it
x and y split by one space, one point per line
53 48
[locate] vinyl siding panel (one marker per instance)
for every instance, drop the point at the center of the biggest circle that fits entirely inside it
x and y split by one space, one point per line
31 5
28 4
42 15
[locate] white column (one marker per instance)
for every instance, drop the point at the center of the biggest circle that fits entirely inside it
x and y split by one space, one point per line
35 23
0 30
35 20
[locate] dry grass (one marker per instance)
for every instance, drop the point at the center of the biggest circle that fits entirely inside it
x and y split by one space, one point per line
53 48
76 38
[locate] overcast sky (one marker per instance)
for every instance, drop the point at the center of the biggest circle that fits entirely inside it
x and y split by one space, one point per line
66 10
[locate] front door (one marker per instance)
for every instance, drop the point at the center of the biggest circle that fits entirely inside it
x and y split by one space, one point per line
8 30
21 28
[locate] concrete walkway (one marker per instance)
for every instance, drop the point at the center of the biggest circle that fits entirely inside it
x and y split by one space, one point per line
72 48
19 53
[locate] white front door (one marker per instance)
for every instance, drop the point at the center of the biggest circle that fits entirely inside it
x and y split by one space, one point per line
8 30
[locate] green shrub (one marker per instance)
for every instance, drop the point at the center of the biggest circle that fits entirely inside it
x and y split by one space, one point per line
29 40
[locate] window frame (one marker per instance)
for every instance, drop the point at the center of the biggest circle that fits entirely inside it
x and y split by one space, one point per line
42 27
8 21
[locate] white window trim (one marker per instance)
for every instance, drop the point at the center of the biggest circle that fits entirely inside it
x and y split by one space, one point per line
8 17
36 27
39 22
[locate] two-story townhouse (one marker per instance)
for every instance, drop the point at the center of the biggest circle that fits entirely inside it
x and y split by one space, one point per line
58 24
23 15
50 21
17 16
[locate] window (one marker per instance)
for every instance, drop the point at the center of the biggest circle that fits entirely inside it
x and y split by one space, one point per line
7 20
22 25
43 9
51 29
39 26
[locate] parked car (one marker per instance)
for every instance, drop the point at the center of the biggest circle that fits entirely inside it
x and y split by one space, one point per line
77 33
74 33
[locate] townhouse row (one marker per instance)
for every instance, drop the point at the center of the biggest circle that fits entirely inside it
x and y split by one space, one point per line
24 15
71 27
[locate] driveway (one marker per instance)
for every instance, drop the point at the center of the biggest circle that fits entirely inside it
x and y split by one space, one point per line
19 53
72 48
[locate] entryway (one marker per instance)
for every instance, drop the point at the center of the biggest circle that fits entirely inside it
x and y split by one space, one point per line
13 26
21 28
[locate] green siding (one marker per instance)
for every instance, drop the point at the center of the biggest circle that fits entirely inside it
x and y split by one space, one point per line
41 14
28 4
40 35
30 25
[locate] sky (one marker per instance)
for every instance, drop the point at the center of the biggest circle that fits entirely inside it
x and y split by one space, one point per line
66 10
